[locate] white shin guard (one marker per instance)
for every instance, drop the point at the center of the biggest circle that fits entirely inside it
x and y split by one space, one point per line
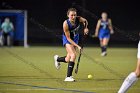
128 82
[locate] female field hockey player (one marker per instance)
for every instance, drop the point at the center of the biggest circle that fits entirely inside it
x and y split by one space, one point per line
70 41
133 76
103 30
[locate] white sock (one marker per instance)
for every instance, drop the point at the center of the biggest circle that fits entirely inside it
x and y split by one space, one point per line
128 82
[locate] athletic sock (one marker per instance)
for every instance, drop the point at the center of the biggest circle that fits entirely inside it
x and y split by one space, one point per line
61 59
104 48
70 68
128 82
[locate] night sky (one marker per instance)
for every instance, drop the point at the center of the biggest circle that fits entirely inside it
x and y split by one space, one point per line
124 13
51 13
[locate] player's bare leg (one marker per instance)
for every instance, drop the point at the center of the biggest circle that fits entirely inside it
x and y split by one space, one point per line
104 43
137 71
70 59
72 53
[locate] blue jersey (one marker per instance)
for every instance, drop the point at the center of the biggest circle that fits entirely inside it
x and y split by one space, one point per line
104 29
73 30
104 25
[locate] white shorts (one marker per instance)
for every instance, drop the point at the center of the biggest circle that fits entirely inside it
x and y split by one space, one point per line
138 54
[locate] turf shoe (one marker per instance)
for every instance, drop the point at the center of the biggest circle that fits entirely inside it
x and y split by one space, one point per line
103 53
69 79
57 64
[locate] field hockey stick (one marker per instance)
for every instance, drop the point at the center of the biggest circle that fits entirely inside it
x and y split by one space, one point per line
80 53
93 36
76 70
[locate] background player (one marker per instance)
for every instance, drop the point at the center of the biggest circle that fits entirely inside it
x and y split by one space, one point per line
132 77
7 31
103 30
70 40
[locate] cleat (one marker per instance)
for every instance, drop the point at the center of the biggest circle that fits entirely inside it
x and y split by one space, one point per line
57 64
69 79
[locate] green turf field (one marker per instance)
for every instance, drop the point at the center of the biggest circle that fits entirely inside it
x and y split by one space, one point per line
31 70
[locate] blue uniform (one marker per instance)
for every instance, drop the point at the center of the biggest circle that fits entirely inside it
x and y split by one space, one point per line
74 32
104 31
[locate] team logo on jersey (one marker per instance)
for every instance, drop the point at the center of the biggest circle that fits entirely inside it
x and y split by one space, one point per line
104 25
75 31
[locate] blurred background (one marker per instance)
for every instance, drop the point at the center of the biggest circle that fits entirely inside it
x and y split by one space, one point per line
45 19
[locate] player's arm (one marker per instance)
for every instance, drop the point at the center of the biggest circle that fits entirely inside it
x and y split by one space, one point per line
12 26
85 23
97 27
110 26
67 34
2 26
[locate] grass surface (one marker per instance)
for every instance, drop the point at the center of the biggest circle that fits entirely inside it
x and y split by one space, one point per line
31 70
